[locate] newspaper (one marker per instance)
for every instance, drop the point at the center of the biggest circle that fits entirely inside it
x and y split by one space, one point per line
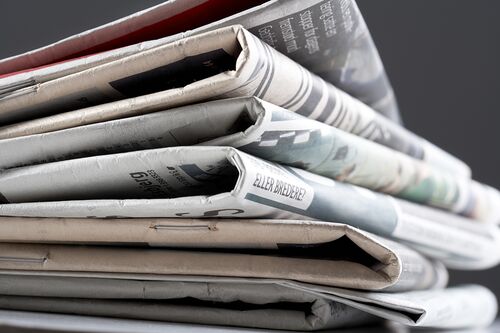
277 304
228 62
194 182
351 259
269 132
328 37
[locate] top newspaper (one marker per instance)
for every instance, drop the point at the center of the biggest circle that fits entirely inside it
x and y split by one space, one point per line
328 37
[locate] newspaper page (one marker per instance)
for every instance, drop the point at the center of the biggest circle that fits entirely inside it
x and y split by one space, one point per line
460 234
263 305
269 132
228 62
194 182
454 307
466 306
466 245
357 261
329 37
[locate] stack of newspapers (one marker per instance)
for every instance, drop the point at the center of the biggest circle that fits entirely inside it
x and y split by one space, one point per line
232 163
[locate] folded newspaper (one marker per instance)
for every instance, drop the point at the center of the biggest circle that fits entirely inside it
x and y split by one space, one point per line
227 62
193 182
272 133
328 37
347 258
265 303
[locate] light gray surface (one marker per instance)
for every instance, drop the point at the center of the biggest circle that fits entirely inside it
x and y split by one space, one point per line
18 321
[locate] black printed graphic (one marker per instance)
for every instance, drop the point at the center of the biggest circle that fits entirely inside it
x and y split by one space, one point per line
177 74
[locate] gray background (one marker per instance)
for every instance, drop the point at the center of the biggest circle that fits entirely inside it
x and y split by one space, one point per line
441 56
